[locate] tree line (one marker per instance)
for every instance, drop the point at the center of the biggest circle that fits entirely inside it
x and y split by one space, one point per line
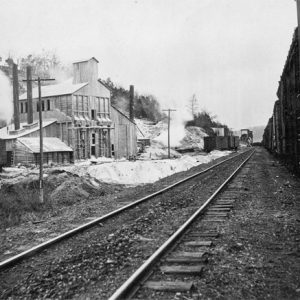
145 106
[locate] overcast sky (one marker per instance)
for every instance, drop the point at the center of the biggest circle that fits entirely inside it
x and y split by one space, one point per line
230 53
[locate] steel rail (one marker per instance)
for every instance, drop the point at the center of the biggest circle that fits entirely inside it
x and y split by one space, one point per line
30 252
131 282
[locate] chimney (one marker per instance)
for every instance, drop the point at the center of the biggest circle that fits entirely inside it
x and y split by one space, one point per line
131 114
16 97
29 96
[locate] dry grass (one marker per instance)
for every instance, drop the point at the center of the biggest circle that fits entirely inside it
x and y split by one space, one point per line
17 201
20 201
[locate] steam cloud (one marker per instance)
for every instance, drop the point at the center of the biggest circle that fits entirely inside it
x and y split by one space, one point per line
6 102
177 126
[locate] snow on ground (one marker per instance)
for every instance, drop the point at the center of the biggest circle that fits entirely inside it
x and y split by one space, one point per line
157 151
151 166
141 172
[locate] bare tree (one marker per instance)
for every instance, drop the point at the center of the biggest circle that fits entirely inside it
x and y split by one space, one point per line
193 105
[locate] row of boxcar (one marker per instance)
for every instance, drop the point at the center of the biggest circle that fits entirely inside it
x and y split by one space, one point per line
221 143
282 133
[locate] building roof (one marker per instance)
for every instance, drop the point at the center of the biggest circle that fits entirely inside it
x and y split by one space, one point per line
50 144
123 114
4 132
104 84
83 60
64 88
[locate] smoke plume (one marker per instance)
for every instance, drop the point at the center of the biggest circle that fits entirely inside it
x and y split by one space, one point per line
6 101
177 125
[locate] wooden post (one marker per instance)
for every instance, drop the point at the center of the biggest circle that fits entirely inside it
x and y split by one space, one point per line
169 121
41 142
29 96
131 101
41 190
16 97
109 142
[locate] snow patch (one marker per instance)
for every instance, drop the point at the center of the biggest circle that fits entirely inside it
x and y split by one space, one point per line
142 172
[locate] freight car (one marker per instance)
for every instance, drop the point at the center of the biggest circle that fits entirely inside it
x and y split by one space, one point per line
221 143
246 135
282 133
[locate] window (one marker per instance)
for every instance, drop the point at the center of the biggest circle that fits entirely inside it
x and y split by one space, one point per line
43 105
93 114
93 138
21 107
26 107
102 108
37 106
48 104
107 108
98 103
112 149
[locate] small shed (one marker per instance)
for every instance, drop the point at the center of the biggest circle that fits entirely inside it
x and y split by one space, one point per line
27 150
123 141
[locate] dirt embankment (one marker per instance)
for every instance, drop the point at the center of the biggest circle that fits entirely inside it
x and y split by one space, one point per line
19 194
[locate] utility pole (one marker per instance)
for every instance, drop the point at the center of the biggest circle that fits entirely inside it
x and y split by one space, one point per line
169 119
41 188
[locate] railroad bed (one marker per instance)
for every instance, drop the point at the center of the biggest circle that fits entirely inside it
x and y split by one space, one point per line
171 268
95 263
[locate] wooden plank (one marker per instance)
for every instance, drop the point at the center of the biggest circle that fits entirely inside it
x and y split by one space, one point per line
198 254
219 209
183 269
198 243
169 286
186 257
203 234
211 219
185 260
216 214
224 202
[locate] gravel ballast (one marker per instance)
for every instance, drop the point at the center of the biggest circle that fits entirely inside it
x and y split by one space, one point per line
94 264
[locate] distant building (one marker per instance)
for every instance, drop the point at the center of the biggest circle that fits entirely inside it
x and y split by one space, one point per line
79 113
221 131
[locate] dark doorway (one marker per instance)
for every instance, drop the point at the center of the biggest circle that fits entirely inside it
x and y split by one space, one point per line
93 150
9 158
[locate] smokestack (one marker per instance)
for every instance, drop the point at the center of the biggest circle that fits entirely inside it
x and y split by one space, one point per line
131 114
16 97
29 96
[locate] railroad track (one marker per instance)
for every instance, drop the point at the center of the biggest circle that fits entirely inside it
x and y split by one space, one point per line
32 251
183 255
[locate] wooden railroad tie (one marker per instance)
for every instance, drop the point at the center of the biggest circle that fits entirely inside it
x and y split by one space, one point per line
183 269
170 286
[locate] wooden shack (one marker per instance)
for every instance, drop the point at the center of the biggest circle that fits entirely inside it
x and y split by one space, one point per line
124 141
27 151
13 151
